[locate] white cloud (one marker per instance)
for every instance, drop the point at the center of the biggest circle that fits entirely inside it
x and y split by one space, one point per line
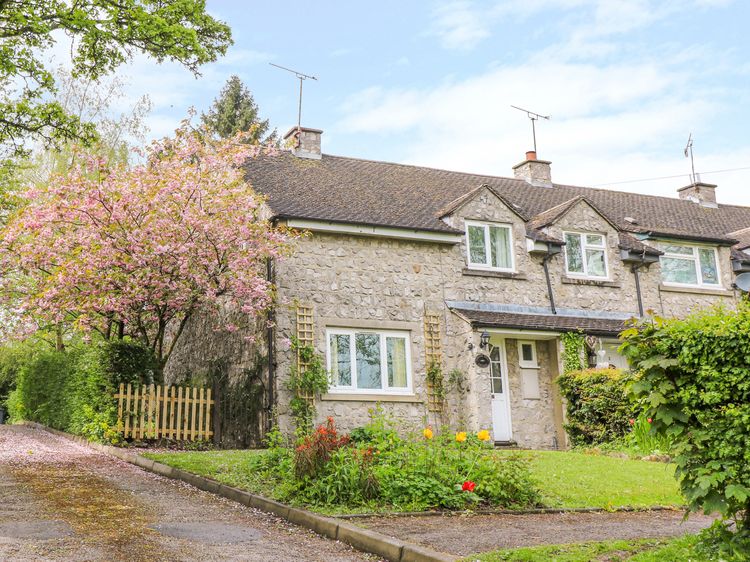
459 25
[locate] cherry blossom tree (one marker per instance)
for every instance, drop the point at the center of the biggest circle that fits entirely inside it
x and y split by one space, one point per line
139 251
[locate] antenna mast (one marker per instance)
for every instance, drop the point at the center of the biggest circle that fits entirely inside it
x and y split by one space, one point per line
533 116
689 153
301 77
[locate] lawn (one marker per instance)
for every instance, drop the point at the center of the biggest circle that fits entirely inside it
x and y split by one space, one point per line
572 479
566 479
646 550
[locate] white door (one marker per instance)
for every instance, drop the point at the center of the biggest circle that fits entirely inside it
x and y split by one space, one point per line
501 429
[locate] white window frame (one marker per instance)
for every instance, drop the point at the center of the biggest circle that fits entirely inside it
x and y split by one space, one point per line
584 236
534 363
696 263
487 246
383 334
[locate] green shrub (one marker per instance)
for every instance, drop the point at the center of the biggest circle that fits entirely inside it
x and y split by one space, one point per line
413 473
70 390
598 406
12 357
695 383
127 361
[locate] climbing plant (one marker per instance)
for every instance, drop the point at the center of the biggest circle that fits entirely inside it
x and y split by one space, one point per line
573 344
305 381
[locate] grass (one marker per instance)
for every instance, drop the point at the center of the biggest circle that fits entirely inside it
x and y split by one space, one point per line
646 550
566 479
573 479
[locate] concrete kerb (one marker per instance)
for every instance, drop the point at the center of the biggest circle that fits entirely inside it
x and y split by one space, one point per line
365 540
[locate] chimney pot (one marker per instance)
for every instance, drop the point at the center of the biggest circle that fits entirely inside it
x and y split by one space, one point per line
305 142
531 155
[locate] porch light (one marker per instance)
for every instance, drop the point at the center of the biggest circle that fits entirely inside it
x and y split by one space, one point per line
484 340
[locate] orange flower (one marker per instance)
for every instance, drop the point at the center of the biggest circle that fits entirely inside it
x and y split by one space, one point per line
427 432
483 435
461 436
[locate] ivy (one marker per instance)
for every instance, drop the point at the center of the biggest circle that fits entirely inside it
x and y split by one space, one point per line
306 383
436 381
573 344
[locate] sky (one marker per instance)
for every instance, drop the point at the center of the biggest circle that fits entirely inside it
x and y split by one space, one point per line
431 83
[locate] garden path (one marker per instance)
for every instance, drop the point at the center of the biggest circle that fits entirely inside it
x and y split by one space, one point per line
63 501
468 534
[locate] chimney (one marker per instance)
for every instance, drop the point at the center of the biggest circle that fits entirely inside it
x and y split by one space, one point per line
536 172
305 142
702 193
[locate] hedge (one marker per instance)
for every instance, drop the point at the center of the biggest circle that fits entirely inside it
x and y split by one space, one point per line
598 407
72 390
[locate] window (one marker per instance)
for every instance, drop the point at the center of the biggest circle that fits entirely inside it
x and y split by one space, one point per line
369 361
689 265
585 254
527 354
489 246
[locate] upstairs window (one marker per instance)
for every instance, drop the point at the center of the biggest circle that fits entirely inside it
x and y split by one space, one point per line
694 266
369 361
489 246
586 254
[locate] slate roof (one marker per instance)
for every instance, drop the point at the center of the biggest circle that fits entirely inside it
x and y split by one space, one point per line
543 322
341 189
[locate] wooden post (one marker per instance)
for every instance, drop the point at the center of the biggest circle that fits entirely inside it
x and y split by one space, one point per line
142 417
127 412
120 398
193 420
200 414
157 405
209 403
217 413
172 408
179 413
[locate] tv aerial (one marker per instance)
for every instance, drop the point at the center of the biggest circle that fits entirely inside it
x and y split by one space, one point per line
689 154
534 117
301 76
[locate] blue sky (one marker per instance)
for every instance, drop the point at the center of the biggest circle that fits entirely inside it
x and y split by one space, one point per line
431 83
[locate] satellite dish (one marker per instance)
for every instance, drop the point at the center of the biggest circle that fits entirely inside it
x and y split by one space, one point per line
742 282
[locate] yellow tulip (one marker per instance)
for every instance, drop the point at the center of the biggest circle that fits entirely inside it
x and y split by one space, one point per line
461 436
483 435
427 432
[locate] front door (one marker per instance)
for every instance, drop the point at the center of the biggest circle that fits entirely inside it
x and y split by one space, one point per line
501 430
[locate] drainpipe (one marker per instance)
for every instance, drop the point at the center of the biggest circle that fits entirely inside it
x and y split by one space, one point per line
635 268
270 277
545 259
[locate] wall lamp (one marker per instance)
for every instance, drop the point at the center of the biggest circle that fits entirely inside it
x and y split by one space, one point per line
484 340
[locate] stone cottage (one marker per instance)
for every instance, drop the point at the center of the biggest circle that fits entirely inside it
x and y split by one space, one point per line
441 296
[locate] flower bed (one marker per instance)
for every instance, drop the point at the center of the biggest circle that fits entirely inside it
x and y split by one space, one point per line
378 468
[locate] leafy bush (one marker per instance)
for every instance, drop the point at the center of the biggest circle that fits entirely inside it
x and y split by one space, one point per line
12 357
126 361
447 470
69 390
695 383
598 406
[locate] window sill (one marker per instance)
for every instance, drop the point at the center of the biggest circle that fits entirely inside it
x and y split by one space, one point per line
696 290
593 282
491 273
356 397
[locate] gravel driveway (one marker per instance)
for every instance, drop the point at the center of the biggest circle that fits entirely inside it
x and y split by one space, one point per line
62 501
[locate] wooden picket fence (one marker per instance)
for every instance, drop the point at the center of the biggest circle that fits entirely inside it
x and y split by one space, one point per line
160 411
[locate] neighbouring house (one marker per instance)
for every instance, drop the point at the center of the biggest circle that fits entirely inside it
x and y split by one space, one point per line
441 296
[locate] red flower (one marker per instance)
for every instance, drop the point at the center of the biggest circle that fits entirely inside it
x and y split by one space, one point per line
631 421
468 486
649 420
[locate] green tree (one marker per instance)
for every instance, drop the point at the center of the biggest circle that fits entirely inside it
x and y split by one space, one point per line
104 34
235 111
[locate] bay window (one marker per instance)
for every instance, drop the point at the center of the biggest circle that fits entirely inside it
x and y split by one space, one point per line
689 265
489 246
369 361
586 254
